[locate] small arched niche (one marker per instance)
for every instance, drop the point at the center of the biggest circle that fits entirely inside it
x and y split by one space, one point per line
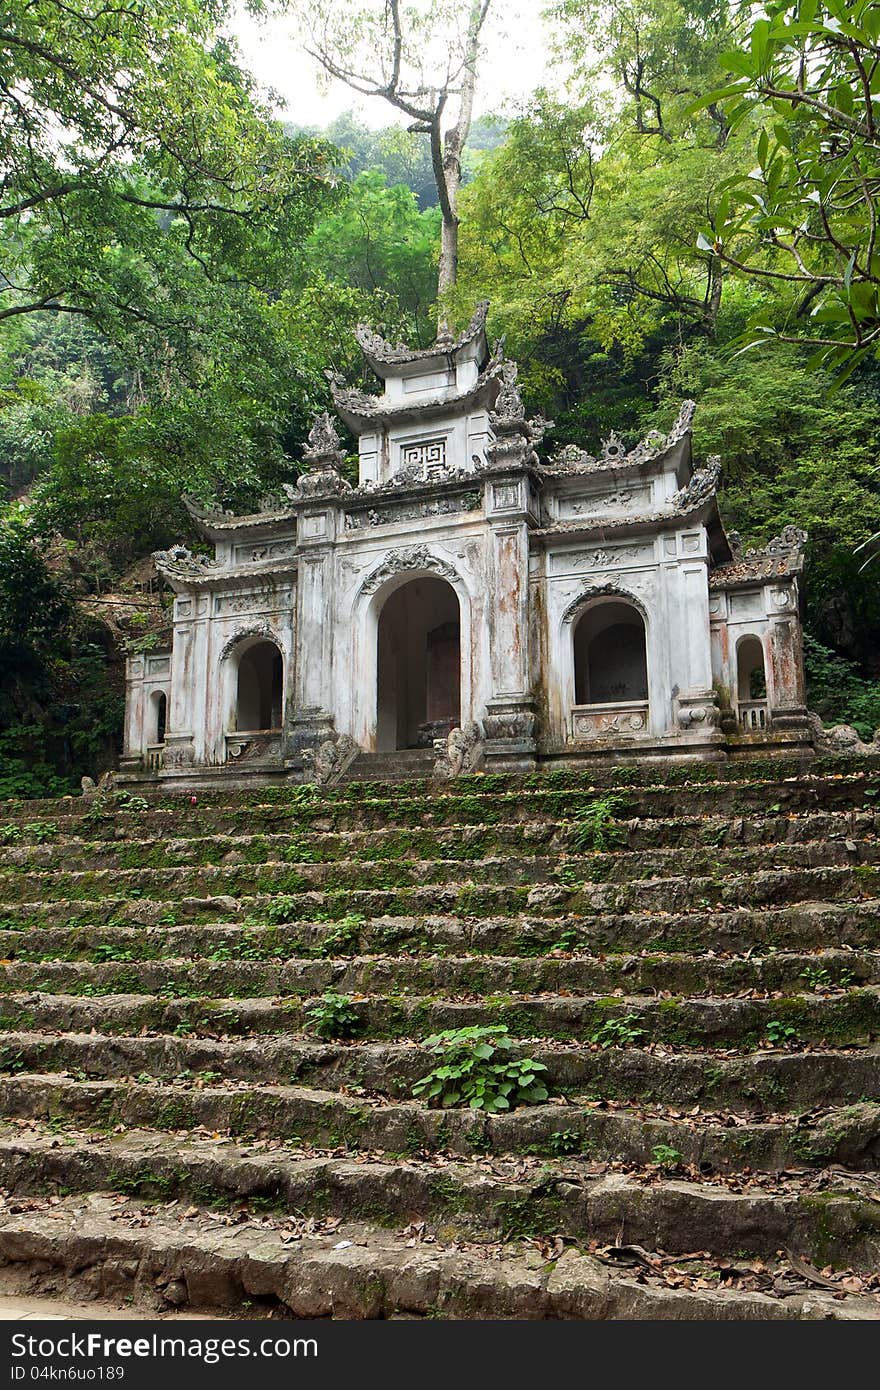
610 656
751 683
158 717
259 687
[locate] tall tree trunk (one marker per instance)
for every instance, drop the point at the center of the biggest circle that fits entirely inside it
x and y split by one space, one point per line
447 165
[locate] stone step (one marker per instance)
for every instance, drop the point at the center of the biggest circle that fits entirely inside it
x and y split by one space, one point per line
846 1018
157 1258
676 974
52 881
825 1218
281 901
402 766
474 800
463 843
804 927
751 1083
713 1141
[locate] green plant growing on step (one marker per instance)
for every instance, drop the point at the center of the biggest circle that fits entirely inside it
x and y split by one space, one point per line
821 978
343 937
567 875
780 1033
10 834
127 801
477 1073
597 827
665 1156
281 909
570 940
334 1016
304 797
108 950
618 1032
564 1141
41 830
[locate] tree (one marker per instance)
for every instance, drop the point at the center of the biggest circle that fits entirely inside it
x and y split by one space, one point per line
396 54
805 220
378 240
130 136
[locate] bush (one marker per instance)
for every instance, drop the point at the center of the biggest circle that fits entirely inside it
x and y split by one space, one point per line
477 1074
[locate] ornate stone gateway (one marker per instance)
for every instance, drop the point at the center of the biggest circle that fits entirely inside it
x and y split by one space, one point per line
469 599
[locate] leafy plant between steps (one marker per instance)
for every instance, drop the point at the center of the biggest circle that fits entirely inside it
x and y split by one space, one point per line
597 827
477 1073
618 1032
334 1016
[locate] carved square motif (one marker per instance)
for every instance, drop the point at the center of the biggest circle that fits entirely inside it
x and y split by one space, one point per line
428 457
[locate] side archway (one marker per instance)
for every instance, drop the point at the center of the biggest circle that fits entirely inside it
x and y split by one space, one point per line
609 679
254 684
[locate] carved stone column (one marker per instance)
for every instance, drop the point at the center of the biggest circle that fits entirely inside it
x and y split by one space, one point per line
316 495
511 505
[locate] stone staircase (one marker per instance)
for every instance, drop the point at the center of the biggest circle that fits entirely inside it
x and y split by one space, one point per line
692 953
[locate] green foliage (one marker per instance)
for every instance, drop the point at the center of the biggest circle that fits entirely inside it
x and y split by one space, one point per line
379 240
343 937
118 184
838 693
805 75
779 1033
618 1032
597 826
665 1156
334 1016
477 1073
41 831
565 1141
281 909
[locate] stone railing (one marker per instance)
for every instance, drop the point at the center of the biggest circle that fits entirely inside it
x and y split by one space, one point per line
753 716
154 757
621 719
253 745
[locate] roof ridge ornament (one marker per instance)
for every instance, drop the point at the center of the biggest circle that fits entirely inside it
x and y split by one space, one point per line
702 485
325 458
378 349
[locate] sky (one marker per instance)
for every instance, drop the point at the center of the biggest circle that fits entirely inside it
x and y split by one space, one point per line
514 65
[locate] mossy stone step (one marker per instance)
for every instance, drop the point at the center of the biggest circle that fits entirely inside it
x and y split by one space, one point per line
851 1017
286 902
374 1275
839 1225
849 1136
803 927
463 843
26 884
676 974
759 1082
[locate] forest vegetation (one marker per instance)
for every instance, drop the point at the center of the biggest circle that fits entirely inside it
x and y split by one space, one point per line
695 219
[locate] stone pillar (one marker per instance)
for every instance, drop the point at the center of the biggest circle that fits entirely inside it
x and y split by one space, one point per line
509 720
697 714
311 717
786 685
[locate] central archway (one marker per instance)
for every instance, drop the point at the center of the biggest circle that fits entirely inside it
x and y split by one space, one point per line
610 663
418 686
